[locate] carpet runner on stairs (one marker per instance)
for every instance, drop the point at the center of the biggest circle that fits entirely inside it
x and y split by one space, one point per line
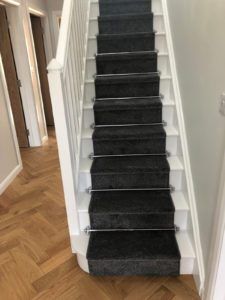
131 209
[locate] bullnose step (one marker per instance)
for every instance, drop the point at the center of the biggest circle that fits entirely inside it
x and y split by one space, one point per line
134 253
128 210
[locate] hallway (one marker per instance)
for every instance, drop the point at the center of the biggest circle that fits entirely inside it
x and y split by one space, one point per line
35 255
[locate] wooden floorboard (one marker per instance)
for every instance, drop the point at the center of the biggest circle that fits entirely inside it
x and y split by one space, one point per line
35 256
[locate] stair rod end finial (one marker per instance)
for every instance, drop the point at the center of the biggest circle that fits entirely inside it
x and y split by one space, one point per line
87 230
172 189
92 126
89 190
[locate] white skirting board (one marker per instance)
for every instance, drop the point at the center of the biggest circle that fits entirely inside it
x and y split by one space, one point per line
6 182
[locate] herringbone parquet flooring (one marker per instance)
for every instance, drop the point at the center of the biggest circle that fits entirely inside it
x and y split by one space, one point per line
35 256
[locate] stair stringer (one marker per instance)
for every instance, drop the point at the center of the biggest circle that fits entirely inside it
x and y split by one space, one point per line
176 141
199 271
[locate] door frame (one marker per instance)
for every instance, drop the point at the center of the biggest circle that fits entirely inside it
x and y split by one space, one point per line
18 35
46 34
215 288
48 50
19 167
16 17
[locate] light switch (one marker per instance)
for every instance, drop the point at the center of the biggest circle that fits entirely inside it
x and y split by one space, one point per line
222 104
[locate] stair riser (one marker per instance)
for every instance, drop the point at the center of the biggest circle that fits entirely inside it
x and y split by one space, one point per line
128 117
175 179
125 44
131 221
160 44
166 115
164 89
94 11
87 146
158 25
127 89
186 264
162 66
129 181
125 26
124 8
126 268
127 66
180 219
120 146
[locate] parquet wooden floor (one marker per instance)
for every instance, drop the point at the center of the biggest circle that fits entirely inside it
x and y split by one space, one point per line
35 256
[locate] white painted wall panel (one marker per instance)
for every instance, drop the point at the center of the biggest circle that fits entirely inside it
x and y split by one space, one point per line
197 30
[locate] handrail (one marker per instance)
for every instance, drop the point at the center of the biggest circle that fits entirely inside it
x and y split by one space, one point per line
66 80
65 26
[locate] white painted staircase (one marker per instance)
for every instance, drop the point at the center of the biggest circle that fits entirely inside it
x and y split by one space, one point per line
71 77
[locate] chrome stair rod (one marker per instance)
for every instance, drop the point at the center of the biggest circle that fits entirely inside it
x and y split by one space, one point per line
93 126
122 53
126 74
92 156
161 96
171 189
88 229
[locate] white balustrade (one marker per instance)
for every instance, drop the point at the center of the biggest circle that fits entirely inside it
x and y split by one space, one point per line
66 80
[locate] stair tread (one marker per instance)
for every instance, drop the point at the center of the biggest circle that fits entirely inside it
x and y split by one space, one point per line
126 16
127 104
130 164
118 78
131 202
133 245
178 197
170 131
121 54
129 132
110 36
127 56
90 105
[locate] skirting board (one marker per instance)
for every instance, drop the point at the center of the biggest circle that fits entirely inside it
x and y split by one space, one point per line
6 182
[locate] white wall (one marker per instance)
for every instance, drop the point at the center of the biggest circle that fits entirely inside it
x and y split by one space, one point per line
54 6
10 163
38 4
198 37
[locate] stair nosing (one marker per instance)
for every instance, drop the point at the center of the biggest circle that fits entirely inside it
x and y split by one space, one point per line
123 53
163 77
88 106
126 53
169 129
157 15
84 201
158 33
174 163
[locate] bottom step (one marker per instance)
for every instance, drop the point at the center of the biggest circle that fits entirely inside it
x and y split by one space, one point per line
134 253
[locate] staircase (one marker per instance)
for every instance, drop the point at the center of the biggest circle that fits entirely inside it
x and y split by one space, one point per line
121 151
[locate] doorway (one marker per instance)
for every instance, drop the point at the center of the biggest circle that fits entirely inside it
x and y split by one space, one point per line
37 29
13 83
